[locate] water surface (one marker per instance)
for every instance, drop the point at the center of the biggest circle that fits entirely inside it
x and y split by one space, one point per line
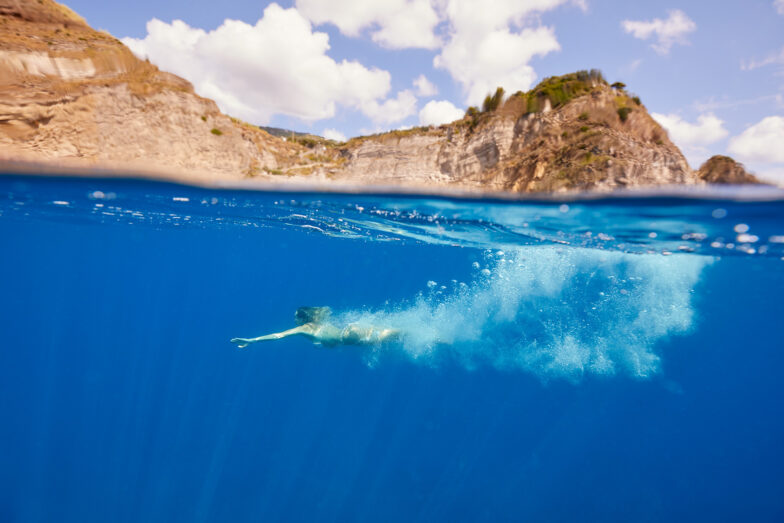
611 359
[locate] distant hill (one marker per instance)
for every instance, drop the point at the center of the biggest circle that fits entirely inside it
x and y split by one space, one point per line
282 133
71 94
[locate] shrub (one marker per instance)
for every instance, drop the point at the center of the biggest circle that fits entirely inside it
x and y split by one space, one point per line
584 128
492 103
472 111
623 113
564 134
636 99
619 85
203 118
561 89
306 141
216 132
583 117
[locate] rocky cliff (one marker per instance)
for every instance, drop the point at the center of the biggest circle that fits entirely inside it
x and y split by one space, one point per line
723 169
570 132
70 93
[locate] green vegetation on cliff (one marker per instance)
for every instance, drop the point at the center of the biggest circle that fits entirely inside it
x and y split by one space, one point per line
560 90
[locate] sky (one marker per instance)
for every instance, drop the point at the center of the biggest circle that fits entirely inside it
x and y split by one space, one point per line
712 73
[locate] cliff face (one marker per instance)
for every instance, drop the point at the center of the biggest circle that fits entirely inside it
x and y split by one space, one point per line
584 143
723 169
68 92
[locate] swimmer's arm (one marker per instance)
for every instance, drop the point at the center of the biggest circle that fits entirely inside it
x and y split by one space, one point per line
244 342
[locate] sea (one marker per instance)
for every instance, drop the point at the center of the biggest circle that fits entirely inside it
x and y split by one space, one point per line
595 358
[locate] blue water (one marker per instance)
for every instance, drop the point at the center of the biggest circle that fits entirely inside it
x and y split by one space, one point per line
599 360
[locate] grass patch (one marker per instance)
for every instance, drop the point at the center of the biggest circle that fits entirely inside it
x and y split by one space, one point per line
216 131
583 117
623 113
318 158
203 118
584 128
307 141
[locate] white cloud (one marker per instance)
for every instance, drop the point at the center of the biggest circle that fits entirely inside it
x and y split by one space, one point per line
486 45
708 129
779 6
492 46
334 134
667 32
439 112
776 58
712 103
771 174
693 137
278 66
762 142
392 110
424 87
394 24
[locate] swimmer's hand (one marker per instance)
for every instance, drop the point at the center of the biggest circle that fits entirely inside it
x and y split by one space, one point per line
241 342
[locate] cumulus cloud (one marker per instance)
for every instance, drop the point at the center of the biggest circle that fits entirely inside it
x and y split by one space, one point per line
424 87
334 134
394 24
277 66
667 32
439 112
708 129
489 47
393 110
762 142
693 137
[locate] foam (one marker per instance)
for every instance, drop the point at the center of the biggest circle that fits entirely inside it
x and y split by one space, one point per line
555 312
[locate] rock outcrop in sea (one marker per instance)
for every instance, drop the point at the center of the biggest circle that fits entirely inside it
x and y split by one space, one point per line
71 94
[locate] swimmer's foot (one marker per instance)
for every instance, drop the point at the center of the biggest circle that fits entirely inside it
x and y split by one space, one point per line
241 342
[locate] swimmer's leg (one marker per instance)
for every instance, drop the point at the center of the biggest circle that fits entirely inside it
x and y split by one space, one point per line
389 335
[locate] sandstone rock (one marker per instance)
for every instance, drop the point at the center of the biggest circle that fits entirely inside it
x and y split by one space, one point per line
723 169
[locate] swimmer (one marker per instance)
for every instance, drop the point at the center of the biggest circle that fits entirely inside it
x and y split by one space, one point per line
313 323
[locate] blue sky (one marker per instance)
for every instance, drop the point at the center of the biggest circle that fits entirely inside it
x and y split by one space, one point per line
711 73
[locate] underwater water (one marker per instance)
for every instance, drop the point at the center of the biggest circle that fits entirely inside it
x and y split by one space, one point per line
617 359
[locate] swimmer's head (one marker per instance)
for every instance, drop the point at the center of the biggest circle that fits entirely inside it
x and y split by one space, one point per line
305 315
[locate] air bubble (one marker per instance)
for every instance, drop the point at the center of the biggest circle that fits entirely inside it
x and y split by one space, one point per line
719 213
741 228
747 238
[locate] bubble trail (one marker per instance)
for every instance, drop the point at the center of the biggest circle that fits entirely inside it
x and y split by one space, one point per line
554 312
